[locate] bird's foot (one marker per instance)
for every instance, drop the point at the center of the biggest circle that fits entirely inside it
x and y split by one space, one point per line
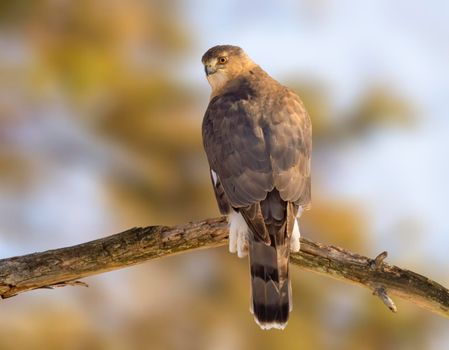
238 234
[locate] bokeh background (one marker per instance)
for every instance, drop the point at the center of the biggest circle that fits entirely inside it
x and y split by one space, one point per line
101 105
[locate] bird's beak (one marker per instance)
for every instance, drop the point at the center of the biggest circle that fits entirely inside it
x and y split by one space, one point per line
209 69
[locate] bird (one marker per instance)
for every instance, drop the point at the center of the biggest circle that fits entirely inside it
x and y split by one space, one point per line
257 136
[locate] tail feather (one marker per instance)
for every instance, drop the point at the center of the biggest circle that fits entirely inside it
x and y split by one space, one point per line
270 285
269 268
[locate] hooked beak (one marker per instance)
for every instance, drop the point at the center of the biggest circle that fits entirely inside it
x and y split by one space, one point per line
209 69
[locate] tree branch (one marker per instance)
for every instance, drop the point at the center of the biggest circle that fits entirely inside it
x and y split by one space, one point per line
61 267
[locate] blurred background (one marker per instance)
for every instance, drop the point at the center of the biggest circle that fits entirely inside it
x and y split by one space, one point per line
101 105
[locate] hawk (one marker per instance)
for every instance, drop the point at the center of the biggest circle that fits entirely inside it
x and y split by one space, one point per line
258 139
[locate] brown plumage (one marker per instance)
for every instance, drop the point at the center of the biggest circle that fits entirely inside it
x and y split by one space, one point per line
258 139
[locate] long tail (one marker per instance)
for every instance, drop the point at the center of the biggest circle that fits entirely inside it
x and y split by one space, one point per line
269 266
270 286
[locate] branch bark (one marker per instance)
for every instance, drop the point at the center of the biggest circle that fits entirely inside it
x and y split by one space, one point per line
64 266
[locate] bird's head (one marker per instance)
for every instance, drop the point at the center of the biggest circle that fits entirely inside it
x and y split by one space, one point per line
223 63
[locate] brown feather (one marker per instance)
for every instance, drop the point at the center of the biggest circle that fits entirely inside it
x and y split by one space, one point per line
258 140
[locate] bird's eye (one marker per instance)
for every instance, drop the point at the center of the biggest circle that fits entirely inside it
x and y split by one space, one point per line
222 60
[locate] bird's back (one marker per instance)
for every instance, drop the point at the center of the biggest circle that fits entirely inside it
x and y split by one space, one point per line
257 137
